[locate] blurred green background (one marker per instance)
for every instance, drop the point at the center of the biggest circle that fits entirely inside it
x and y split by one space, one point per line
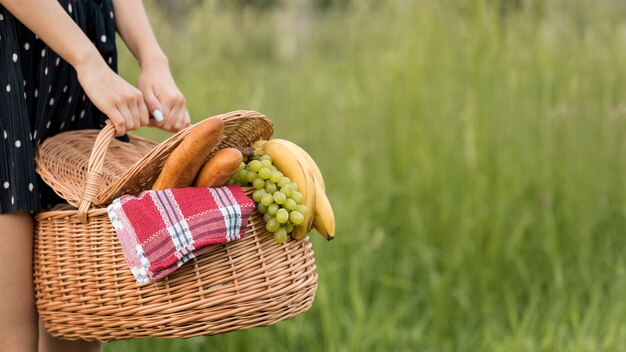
473 151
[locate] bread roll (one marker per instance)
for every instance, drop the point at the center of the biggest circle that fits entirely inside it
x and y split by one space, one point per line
220 168
182 166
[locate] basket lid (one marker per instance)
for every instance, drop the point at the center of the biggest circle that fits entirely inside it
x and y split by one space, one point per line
93 167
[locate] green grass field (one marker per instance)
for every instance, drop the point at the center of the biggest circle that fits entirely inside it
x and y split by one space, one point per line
476 163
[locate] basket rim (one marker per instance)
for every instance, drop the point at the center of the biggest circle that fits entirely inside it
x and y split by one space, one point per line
86 189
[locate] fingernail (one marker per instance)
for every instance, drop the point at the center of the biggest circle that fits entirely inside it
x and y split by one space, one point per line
158 116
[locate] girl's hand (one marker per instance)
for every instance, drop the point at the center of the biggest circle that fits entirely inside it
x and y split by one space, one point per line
116 98
161 93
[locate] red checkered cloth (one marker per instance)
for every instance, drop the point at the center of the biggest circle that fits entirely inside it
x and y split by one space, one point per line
161 230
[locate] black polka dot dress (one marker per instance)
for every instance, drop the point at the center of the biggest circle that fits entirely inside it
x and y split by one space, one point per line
40 96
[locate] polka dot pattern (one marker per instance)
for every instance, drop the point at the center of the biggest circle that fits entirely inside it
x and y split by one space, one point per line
45 98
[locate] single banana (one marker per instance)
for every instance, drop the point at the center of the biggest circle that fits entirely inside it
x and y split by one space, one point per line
324 218
315 170
294 166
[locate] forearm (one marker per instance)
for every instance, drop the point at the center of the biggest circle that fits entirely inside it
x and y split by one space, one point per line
55 27
133 25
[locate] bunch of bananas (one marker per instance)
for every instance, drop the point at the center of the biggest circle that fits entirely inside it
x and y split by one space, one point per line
290 190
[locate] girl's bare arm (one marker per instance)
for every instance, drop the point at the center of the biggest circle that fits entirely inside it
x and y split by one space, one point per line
120 101
155 81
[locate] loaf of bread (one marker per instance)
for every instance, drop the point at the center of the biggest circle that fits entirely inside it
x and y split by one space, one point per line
220 168
182 166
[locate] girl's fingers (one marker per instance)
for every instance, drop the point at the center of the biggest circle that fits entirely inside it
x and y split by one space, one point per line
177 118
153 105
138 107
167 112
187 119
118 121
183 120
143 113
128 117
135 115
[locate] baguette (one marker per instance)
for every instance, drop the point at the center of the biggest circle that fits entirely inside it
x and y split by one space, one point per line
183 164
220 168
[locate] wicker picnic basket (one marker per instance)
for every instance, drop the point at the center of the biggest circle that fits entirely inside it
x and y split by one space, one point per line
84 288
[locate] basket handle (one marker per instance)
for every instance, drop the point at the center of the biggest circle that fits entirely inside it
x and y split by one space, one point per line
94 171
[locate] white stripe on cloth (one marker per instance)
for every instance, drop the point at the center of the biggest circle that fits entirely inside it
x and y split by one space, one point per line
141 273
128 240
112 211
174 220
231 211
185 258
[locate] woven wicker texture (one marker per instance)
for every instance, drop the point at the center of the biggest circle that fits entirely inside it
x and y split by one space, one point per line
84 288
62 161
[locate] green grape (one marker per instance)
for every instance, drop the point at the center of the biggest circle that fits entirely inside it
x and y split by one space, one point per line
290 204
293 186
254 165
241 175
266 157
258 183
256 195
241 166
270 186
283 181
259 144
272 224
280 197
289 227
282 215
288 192
272 209
261 208
296 196
296 217
273 168
267 216
267 199
259 151
230 181
265 173
250 176
302 208
266 163
275 176
280 236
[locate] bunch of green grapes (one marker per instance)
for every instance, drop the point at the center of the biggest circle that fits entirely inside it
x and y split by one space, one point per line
276 196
